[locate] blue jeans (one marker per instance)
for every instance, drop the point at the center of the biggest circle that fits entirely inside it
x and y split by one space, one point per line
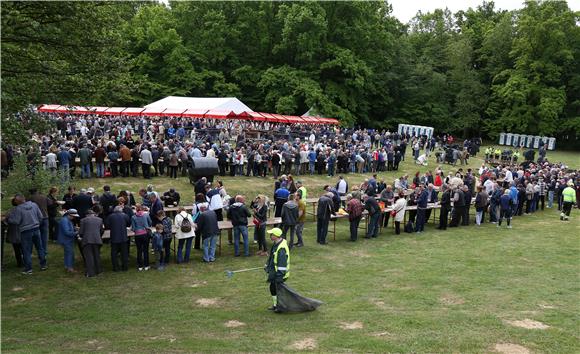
209 248
187 242
44 235
69 254
373 230
311 167
86 171
243 229
331 170
420 223
550 199
27 239
100 170
65 173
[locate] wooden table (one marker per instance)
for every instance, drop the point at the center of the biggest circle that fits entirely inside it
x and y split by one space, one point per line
314 202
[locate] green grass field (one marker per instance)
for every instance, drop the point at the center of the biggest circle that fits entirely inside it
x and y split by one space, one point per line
443 291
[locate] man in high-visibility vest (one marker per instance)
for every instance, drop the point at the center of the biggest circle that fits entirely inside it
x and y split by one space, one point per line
301 190
278 266
569 197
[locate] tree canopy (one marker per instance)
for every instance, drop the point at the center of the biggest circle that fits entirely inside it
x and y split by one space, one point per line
475 72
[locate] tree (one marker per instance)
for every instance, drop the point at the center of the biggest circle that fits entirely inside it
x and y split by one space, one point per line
532 98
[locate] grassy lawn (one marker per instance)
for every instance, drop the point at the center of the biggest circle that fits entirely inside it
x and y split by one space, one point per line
443 291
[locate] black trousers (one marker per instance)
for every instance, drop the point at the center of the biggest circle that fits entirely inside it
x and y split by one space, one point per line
92 257
465 215
142 243
354 228
567 208
292 229
167 248
273 288
52 228
458 213
146 170
125 168
397 227
443 218
121 248
114 169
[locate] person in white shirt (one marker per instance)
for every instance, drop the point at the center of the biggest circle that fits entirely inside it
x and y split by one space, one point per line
488 184
341 186
508 176
183 237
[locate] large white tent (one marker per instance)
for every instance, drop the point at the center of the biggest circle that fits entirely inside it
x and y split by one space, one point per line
201 103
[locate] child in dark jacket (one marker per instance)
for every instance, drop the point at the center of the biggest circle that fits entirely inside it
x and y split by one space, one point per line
157 243
167 236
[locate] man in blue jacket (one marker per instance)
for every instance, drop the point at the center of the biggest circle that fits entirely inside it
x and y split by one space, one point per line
312 160
421 209
67 237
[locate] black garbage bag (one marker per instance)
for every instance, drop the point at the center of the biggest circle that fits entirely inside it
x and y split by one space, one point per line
290 301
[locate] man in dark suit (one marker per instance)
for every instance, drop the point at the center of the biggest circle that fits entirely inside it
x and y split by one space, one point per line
108 201
432 195
323 213
82 203
90 232
117 223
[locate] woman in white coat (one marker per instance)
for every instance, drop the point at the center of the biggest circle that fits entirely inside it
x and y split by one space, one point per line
183 236
399 208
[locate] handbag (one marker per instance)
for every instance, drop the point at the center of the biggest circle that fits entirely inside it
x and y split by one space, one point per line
256 222
393 213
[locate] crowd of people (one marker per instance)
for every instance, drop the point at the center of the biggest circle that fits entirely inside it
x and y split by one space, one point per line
85 146
502 191
121 146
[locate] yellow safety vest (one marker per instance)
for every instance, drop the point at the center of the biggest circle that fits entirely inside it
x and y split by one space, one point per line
569 195
283 244
303 189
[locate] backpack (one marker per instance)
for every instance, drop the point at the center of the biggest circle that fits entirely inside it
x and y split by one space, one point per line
185 225
409 227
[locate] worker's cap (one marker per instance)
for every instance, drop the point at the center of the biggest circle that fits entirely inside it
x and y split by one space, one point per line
91 190
570 183
72 212
275 231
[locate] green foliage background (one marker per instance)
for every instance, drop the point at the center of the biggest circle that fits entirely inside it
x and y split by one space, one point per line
475 72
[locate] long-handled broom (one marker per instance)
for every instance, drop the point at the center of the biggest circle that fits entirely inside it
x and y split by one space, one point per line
230 273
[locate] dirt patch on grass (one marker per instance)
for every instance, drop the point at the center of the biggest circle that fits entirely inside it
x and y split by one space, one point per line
234 324
19 299
207 302
169 338
351 325
360 254
198 284
381 334
305 344
450 299
547 307
528 324
17 288
508 348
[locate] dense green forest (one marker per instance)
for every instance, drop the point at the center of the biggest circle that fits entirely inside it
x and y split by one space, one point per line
479 71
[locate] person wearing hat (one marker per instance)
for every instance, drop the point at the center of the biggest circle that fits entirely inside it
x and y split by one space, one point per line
278 265
569 198
66 237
